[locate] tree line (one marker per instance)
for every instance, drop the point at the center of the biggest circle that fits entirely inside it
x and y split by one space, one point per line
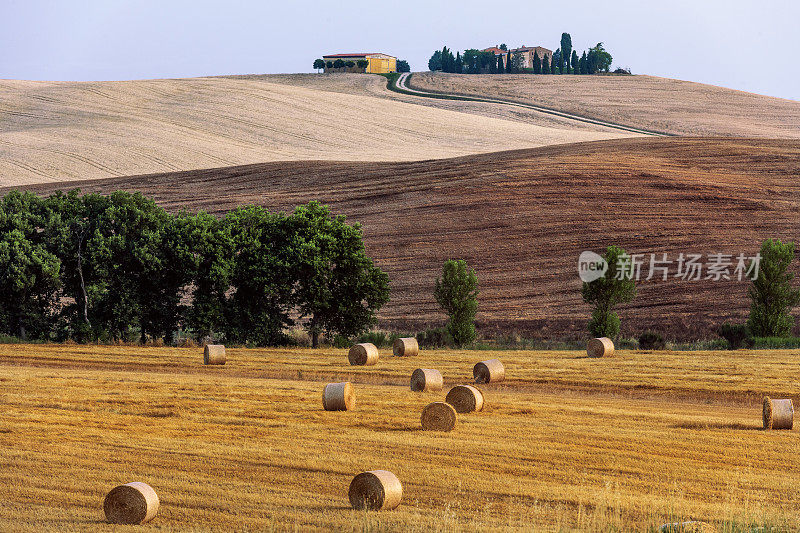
319 64
564 60
119 267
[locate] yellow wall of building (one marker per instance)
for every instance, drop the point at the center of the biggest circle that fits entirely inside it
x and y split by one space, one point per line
382 65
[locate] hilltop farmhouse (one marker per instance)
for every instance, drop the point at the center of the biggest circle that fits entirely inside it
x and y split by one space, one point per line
370 63
525 52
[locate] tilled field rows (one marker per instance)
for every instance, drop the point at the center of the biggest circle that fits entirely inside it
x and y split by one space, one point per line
522 218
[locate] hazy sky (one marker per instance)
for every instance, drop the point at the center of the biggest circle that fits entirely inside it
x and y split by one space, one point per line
752 46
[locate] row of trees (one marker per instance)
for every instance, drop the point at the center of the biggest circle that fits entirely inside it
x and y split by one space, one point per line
119 267
319 64
772 295
564 60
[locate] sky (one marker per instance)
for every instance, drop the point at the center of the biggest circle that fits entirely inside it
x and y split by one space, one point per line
746 45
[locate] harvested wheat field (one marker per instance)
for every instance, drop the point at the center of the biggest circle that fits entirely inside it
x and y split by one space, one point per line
521 219
57 131
660 104
625 443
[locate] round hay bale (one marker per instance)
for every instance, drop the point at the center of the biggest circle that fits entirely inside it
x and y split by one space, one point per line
375 490
691 526
132 503
364 354
405 347
490 371
602 347
465 398
426 379
338 397
214 354
778 414
439 416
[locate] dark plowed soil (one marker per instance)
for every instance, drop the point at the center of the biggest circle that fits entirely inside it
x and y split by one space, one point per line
522 218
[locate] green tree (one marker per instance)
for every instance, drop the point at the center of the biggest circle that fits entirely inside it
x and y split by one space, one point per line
319 64
575 63
349 64
772 294
435 62
509 63
537 63
456 291
615 287
582 64
339 63
601 60
212 259
142 266
363 63
566 51
403 66
261 283
29 272
545 64
459 65
556 64
329 64
338 289
503 47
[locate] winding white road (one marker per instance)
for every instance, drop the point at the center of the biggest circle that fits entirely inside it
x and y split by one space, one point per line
402 85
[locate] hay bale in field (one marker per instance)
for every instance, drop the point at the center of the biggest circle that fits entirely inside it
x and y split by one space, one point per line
375 490
465 398
439 416
405 347
602 347
490 371
778 414
691 526
132 503
364 354
338 397
426 380
214 354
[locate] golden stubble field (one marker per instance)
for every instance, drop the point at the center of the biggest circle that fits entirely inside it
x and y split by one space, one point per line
566 443
661 104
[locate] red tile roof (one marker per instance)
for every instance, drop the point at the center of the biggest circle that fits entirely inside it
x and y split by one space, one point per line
357 55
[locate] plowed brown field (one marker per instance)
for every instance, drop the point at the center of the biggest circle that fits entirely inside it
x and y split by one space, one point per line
522 218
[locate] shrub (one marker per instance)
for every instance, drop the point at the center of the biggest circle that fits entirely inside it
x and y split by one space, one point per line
737 335
434 338
378 338
650 340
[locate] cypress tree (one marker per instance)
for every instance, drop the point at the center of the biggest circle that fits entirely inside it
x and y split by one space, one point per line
537 63
459 64
545 65
582 63
509 65
575 69
566 49
554 61
500 67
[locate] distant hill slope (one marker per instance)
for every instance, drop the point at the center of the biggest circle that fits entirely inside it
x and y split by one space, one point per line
56 131
660 104
522 218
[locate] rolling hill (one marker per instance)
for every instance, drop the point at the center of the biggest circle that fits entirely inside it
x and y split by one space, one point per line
521 218
59 131
661 104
